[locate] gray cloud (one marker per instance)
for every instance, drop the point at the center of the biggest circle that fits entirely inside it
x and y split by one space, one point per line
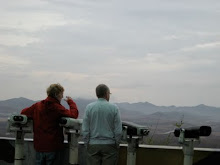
164 52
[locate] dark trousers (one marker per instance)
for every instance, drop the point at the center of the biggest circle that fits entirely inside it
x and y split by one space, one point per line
102 154
48 158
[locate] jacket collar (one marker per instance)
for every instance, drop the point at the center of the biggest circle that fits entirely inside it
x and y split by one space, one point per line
49 98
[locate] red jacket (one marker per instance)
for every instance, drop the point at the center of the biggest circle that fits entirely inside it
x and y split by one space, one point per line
48 135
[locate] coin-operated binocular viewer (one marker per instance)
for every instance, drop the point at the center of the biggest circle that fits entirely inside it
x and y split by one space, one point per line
19 124
187 137
72 129
133 133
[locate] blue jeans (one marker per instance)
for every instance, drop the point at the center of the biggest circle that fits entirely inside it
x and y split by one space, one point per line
45 158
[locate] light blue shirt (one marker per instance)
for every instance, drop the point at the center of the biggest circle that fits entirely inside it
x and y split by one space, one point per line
101 123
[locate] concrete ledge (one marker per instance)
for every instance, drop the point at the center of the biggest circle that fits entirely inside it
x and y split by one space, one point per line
146 154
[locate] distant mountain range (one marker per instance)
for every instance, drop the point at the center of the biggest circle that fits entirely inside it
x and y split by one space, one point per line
141 112
159 119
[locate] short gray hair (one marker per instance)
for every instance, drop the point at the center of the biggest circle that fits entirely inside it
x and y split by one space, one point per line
101 90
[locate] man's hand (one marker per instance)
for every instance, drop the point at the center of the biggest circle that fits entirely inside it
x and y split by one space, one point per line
68 98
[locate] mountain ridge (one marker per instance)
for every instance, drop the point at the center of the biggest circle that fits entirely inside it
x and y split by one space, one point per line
130 111
158 119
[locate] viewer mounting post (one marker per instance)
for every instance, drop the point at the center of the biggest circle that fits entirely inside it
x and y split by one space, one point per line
187 137
20 125
132 133
73 129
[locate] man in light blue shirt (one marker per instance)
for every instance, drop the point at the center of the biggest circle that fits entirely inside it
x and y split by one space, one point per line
102 129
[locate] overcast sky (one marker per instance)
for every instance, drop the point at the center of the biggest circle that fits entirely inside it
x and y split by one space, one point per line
166 52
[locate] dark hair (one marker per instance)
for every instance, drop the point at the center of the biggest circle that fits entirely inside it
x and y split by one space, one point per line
101 90
54 89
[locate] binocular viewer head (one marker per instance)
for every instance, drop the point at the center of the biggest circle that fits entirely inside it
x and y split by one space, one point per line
193 132
71 123
19 123
135 129
18 119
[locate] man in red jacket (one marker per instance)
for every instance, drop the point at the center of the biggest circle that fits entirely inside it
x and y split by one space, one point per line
48 135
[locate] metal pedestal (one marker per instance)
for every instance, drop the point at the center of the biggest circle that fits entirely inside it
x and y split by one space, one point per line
131 150
73 139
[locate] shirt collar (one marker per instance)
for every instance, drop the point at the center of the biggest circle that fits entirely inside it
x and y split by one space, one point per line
101 99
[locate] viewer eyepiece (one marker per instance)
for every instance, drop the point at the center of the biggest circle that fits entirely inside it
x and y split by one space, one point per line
63 121
18 118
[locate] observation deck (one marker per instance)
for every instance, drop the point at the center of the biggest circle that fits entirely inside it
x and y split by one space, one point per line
146 154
